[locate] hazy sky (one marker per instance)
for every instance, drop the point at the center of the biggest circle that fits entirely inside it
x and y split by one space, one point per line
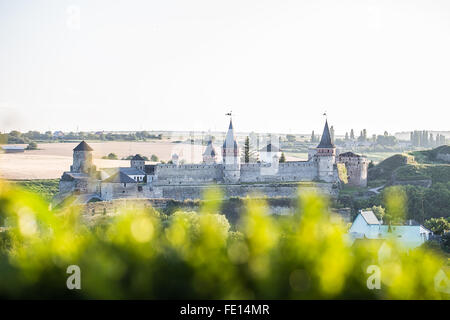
181 65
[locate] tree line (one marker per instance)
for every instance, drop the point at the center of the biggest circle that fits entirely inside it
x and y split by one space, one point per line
17 137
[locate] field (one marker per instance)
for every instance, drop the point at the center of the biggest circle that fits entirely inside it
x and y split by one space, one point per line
52 159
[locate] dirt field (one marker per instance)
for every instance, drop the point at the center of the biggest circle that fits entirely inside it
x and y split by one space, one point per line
52 159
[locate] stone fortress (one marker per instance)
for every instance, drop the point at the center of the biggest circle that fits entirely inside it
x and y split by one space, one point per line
188 181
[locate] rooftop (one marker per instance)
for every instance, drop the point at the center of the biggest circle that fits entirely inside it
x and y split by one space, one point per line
119 177
138 157
83 146
369 217
325 141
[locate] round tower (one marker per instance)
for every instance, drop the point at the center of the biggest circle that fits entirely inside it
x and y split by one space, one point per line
356 166
82 158
326 156
231 159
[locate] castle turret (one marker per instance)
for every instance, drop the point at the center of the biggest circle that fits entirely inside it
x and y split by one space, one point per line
326 156
356 166
82 158
138 162
210 155
230 154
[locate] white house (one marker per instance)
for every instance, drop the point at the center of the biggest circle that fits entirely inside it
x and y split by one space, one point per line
13 149
366 225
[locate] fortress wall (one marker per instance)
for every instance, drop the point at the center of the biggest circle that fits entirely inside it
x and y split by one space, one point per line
270 190
119 190
66 186
251 172
190 173
298 170
288 171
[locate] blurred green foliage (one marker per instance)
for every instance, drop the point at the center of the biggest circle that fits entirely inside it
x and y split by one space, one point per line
194 255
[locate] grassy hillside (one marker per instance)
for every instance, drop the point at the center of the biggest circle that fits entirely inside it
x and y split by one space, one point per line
436 173
429 156
46 188
384 170
418 165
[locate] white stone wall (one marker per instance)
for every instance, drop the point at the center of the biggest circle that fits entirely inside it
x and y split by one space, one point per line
287 171
111 191
188 174
82 161
268 189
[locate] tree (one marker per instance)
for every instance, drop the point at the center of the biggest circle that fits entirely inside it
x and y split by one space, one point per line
247 150
291 137
32 146
111 156
352 135
249 154
282 158
379 212
154 158
437 225
346 136
445 242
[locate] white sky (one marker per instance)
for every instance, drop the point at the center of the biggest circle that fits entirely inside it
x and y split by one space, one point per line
180 65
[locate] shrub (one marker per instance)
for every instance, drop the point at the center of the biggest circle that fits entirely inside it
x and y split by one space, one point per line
193 255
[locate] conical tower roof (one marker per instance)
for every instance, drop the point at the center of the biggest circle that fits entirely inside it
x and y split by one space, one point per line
83 146
210 150
325 141
230 141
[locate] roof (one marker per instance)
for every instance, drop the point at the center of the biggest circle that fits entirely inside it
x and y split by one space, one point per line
325 141
369 217
127 170
210 150
71 176
138 157
13 148
132 171
230 141
119 177
270 148
350 155
83 146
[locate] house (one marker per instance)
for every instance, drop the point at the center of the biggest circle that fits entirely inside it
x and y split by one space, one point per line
13 149
367 226
58 134
119 184
134 173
